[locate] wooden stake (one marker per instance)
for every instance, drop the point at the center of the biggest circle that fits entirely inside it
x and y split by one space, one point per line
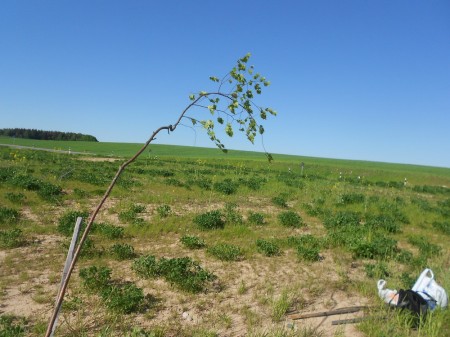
69 259
339 311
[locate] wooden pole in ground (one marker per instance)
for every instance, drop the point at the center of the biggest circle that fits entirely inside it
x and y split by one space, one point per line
69 259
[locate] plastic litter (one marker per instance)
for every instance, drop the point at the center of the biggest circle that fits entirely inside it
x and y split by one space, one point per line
425 286
387 295
432 292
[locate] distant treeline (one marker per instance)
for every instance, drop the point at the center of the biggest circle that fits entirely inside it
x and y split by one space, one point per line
46 135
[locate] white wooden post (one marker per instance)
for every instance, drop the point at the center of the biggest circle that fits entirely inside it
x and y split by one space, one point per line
69 259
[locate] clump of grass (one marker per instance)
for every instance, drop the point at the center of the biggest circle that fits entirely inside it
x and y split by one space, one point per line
108 230
163 211
8 215
182 272
280 307
256 218
290 219
426 248
232 216
67 221
227 186
307 247
226 252
130 214
443 227
210 220
12 238
377 270
123 298
16 198
268 248
280 200
192 242
122 251
12 326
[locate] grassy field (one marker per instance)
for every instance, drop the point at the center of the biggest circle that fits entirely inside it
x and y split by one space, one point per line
189 245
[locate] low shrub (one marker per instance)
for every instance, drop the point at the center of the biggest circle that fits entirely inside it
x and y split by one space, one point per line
122 251
226 252
267 248
307 247
290 219
210 220
256 218
147 266
192 242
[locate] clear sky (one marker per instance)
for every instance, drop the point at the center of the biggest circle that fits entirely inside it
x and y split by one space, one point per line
366 80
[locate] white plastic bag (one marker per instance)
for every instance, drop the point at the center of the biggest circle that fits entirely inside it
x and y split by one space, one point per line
427 287
387 295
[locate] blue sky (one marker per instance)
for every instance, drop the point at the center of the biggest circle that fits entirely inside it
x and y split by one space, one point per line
367 80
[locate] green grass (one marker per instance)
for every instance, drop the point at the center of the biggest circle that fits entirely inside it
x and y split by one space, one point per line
195 246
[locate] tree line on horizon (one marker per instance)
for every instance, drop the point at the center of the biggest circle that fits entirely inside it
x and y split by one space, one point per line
46 135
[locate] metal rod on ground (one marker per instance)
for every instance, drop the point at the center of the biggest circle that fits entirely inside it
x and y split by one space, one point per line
350 320
339 311
69 259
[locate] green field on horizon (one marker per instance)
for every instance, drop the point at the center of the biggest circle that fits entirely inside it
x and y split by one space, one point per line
127 150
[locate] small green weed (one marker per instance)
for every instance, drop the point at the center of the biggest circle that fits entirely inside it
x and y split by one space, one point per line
232 216
183 272
12 326
8 215
378 270
67 221
95 278
122 251
268 248
12 238
164 211
290 219
123 298
210 220
226 252
227 186
256 218
192 242
16 198
130 215
443 227
108 230
280 200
